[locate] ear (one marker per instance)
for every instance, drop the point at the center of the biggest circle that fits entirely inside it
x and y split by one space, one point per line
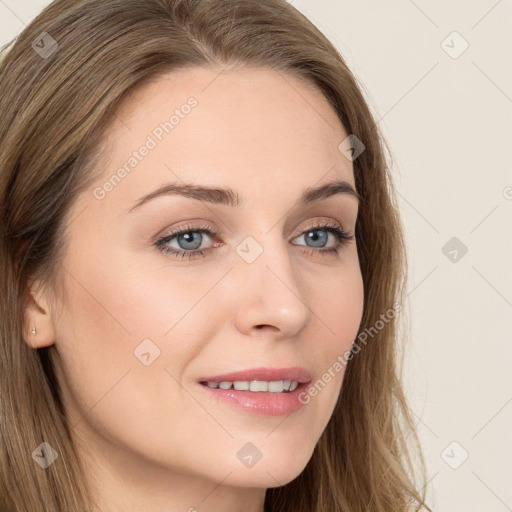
38 316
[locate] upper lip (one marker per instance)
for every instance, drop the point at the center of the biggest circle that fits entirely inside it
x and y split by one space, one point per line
267 374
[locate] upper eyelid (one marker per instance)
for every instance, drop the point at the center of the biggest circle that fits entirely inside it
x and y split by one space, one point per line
187 228
211 232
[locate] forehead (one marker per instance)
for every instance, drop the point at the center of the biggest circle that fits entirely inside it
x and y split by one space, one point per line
225 128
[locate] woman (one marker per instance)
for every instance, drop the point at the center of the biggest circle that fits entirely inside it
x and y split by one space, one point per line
202 263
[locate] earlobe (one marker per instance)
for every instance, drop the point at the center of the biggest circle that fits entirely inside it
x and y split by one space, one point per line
39 330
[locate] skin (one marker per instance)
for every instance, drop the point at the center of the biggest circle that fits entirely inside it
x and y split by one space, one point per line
149 437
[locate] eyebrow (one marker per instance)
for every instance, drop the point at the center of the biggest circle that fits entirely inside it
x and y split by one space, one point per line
228 197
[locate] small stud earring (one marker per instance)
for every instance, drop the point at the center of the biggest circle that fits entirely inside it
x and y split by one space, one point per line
33 330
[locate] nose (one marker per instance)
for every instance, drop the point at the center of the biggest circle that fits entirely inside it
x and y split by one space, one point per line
271 298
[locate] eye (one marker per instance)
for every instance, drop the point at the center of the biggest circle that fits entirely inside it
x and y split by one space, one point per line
317 237
186 241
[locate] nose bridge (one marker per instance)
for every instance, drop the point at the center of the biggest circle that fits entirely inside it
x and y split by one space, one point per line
271 292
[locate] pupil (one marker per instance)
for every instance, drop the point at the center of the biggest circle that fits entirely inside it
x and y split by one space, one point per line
191 240
318 240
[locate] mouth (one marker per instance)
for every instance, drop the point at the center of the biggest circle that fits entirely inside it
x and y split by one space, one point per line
263 391
273 380
256 386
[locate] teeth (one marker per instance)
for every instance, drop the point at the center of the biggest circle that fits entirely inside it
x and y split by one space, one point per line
259 385
275 386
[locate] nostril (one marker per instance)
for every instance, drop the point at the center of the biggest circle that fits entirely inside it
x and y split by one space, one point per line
261 326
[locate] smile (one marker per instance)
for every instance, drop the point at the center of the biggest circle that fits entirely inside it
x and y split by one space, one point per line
275 386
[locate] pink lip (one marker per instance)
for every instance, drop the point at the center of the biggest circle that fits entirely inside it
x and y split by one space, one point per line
261 403
268 374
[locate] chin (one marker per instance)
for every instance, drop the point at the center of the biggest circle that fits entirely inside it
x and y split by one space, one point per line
262 478
275 471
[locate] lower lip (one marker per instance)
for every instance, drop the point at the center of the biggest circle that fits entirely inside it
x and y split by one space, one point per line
264 403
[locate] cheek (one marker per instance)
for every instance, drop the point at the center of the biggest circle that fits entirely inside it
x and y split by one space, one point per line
107 387
118 318
128 299
338 306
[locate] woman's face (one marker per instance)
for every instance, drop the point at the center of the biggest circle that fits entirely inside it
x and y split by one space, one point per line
245 286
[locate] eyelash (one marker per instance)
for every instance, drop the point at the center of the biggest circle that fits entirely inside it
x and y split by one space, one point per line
341 238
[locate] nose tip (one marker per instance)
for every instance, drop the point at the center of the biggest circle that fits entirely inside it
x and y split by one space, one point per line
271 299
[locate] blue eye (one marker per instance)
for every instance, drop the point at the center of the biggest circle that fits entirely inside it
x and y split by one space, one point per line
190 242
190 238
317 240
318 237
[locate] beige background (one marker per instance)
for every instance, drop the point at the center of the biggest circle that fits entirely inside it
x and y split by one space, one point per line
447 116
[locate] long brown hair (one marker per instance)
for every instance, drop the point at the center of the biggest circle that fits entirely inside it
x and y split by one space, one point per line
61 81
